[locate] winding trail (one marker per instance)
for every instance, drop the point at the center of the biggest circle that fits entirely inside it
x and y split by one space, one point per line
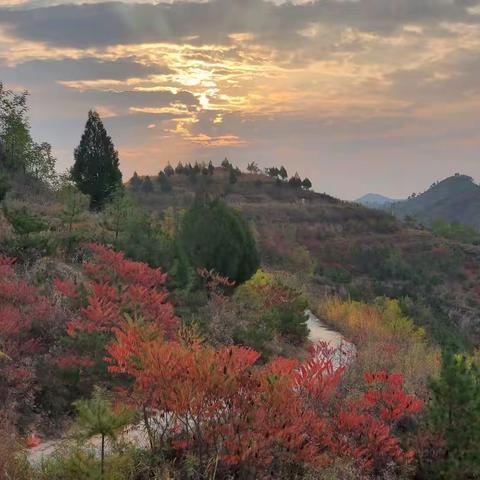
319 332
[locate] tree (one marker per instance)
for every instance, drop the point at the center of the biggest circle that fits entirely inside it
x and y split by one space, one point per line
283 173
253 168
454 414
97 416
165 185
40 162
215 236
306 184
169 171
232 178
295 181
147 186
211 168
117 213
14 128
272 172
179 169
96 169
74 205
226 164
136 182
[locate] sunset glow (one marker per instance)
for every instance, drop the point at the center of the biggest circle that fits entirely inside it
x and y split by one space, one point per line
346 83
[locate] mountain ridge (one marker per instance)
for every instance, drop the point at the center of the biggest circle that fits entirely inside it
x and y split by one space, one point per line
455 199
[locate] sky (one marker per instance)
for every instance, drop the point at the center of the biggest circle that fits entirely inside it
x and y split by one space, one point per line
358 95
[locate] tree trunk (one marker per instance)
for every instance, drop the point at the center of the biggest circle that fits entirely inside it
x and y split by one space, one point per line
102 460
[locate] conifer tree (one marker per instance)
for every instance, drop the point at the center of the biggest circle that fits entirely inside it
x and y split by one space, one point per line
136 182
96 169
455 416
147 186
97 416
211 168
307 184
169 171
215 236
163 180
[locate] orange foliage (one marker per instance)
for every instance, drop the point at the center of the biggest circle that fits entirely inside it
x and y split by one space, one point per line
116 288
218 403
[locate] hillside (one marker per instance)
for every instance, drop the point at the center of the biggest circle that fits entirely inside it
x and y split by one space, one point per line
346 249
455 199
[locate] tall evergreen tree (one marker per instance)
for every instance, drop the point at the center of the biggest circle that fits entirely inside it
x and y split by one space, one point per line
454 414
96 169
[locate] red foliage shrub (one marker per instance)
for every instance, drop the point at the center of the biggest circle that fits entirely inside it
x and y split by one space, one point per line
116 288
364 425
217 402
25 315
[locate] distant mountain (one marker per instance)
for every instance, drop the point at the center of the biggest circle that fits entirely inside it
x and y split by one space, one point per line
455 199
374 200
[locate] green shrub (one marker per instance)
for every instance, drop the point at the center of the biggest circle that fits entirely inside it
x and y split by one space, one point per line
215 236
24 222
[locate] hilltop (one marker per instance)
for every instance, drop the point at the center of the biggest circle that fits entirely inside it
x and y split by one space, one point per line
455 199
374 200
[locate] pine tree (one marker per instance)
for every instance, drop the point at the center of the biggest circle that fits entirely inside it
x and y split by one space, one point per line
307 184
96 169
295 181
211 168
283 173
179 169
215 236
147 186
98 417
136 182
169 171
163 180
454 414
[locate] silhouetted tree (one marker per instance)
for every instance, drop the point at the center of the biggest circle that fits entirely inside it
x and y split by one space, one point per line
179 169
136 182
169 171
272 172
295 181
307 184
96 169
282 173
211 168
163 180
147 186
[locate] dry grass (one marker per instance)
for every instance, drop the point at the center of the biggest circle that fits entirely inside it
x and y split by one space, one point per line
386 340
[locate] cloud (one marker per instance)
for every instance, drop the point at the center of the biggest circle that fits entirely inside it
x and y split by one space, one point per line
113 23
